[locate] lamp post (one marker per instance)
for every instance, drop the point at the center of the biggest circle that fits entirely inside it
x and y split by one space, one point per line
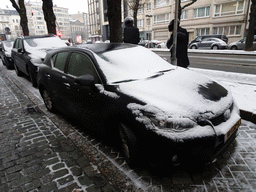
148 16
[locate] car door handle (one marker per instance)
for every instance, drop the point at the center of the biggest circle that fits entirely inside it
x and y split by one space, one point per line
48 75
67 85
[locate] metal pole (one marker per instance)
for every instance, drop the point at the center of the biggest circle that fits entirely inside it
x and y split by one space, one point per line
175 30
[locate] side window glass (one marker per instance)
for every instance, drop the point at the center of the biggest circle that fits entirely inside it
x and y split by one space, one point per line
19 43
59 60
81 64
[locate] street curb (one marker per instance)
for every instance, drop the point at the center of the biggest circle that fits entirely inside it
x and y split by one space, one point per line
108 168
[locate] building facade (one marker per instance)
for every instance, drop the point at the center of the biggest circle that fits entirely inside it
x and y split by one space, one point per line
229 17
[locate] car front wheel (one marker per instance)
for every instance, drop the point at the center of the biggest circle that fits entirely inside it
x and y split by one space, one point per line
47 100
215 47
234 48
193 47
129 144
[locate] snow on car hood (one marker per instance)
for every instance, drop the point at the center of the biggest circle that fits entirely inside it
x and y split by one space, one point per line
181 93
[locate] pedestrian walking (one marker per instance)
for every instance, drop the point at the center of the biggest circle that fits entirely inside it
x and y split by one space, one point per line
131 33
182 45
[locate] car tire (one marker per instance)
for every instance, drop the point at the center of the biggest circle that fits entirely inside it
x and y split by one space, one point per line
233 48
193 47
215 47
47 100
129 144
18 72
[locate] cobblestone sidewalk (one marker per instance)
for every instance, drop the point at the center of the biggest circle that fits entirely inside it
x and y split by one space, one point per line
35 155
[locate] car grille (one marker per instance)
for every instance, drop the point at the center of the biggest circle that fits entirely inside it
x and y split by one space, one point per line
219 119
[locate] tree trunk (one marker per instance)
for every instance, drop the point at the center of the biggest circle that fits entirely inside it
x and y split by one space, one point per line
251 31
49 16
125 8
135 12
21 9
114 18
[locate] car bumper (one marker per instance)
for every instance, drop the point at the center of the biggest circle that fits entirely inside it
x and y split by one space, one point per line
205 149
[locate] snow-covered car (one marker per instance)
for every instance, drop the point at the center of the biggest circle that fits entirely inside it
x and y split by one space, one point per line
209 43
240 45
28 53
5 53
126 91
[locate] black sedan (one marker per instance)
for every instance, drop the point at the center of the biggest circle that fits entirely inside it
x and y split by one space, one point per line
28 53
165 112
5 53
209 43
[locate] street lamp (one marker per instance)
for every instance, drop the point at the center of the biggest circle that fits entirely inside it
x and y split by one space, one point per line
148 27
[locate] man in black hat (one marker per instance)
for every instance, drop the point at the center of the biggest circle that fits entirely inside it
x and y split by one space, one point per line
182 45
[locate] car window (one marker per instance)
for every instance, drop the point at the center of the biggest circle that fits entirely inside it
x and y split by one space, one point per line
81 64
59 60
19 44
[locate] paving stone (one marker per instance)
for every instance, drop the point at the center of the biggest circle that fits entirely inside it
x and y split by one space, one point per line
65 180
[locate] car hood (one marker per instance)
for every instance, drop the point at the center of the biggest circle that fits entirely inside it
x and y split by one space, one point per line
181 93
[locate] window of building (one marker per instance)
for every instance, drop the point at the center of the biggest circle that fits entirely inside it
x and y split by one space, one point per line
203 31
228 30
202 12
161 3
231 8
148 6
184 14
140 23
163 18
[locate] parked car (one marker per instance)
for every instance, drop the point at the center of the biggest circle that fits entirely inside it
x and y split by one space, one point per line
28 53
5 53
240 45
126 91
209 43
201 37
143 43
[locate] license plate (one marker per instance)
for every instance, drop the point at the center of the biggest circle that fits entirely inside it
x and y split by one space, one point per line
232 130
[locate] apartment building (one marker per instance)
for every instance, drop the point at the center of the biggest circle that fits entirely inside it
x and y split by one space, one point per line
229 17
10 19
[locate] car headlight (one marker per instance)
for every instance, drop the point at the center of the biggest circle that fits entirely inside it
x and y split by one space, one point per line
175 124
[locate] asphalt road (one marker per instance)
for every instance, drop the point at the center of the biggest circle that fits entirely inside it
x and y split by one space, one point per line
238 63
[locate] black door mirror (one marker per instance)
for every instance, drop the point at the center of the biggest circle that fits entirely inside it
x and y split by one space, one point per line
85 80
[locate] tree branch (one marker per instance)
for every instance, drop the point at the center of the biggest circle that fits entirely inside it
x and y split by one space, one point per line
193 1
14 4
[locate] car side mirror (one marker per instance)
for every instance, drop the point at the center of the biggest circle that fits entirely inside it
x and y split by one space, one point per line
20 50
85 80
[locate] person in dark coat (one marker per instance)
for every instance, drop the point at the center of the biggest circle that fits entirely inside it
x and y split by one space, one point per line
182 45
131 33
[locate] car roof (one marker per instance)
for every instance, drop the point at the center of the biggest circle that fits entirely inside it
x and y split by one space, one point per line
37 36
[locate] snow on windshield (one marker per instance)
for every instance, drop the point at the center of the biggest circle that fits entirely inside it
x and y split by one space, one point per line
131 64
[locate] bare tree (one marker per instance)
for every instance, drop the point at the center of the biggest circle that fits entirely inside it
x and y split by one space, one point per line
114 18
134 6
184 6
251 31
21 9
49 16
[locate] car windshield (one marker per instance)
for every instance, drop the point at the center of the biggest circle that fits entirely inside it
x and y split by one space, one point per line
43 43
131 63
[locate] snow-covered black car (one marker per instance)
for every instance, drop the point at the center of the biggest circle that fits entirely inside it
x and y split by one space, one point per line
28 53
5 53
157 109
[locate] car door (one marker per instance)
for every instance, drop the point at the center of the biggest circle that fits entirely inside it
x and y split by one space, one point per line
206 43
18 52
54 78
79 99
